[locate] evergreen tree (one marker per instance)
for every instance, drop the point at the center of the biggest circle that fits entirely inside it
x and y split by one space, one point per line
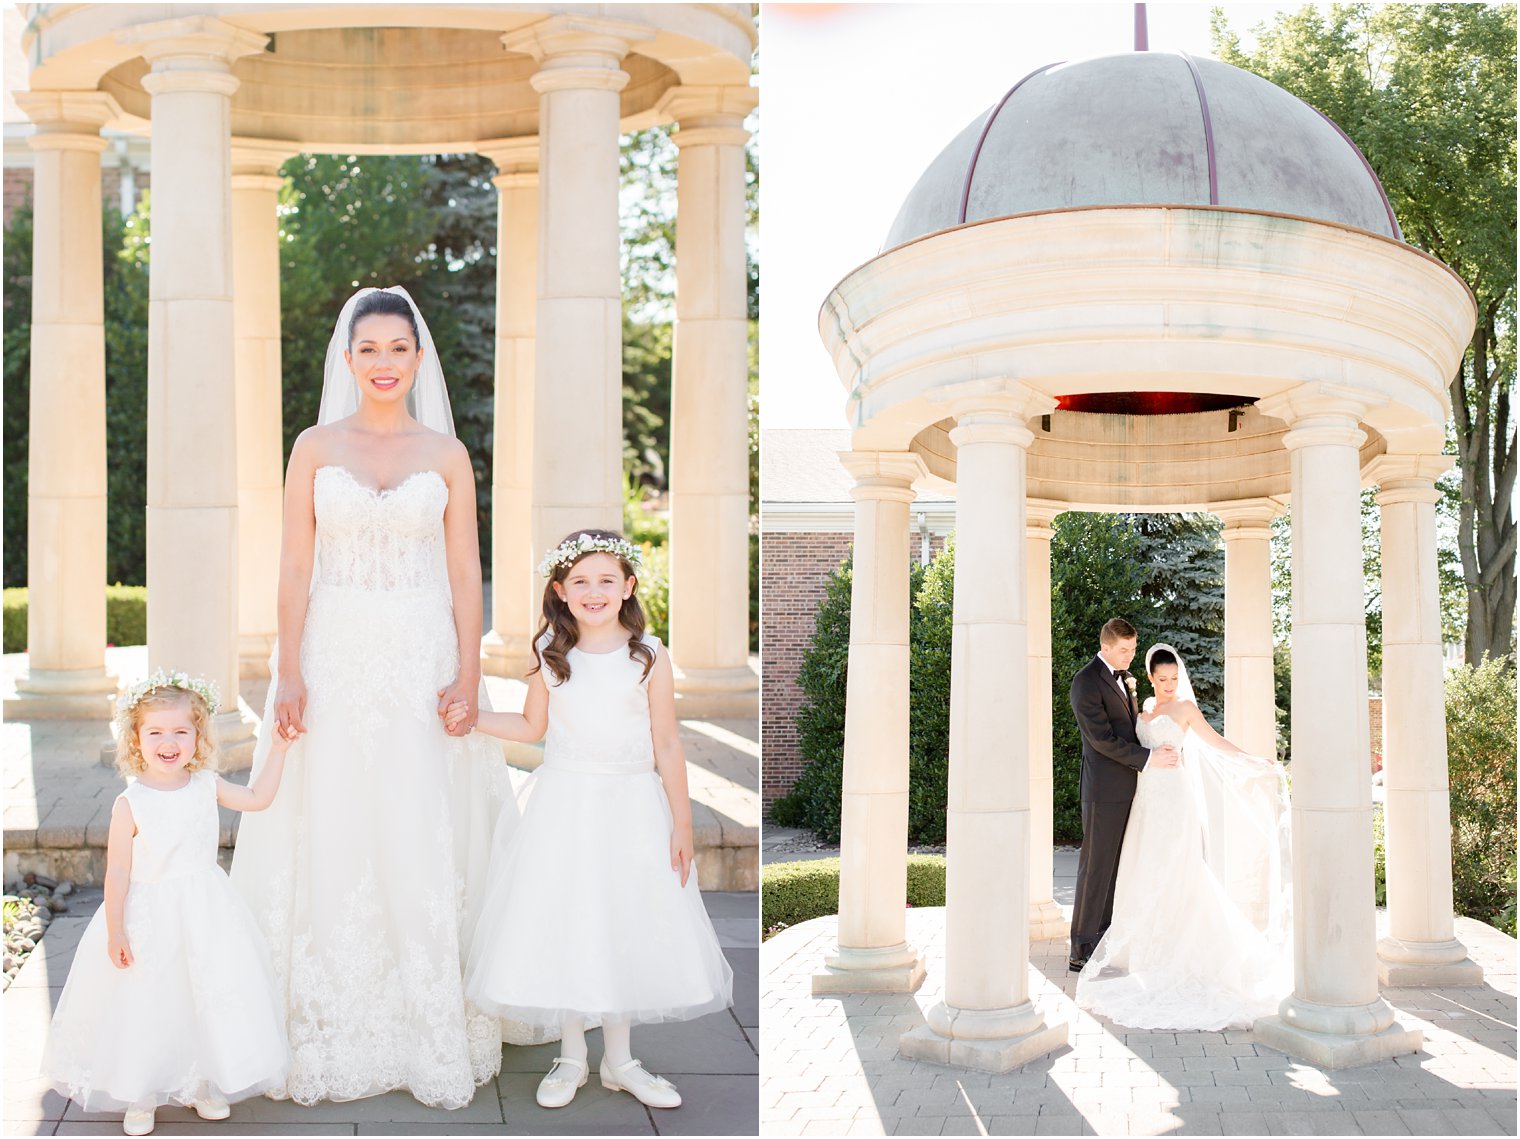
1183 596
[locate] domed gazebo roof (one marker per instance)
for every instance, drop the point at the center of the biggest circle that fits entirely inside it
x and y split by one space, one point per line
1146 128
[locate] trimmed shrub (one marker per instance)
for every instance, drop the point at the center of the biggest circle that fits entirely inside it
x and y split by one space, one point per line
1480 747
793 892
126 616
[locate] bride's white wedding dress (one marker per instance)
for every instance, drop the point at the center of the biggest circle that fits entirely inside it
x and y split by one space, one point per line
366 872
1200 937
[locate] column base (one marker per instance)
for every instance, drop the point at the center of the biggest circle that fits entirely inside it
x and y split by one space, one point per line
893 969
253 655
1047 922
236 733
63 694
717 693
1337 1036
1426 964
505 656
994 1040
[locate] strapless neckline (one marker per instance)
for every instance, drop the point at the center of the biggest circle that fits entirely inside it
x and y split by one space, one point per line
380 492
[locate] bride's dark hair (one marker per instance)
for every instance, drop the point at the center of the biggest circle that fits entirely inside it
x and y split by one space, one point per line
381 303
1160 656
560 624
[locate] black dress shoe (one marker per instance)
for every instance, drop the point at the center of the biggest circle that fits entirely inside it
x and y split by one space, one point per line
1073 965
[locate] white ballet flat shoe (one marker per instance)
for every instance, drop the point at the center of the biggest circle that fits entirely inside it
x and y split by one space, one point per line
648 1089
138 1121
211 1106
564 1079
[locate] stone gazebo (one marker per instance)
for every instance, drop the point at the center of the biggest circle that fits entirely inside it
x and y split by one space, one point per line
230 91
1149 282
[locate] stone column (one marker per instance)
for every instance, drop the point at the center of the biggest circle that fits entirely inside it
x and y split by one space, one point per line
873 952
709 441
1335 1017
986 1020
66 674
578 368
1250 715
1045 918
515 588
192 523
256 186
1421 949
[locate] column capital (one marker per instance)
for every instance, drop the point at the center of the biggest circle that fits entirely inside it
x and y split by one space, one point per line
1408 478
1244 517
515 158
1039 514
993 410
886 475
1319 413
577 51
709 116
192 46
257 158
68 120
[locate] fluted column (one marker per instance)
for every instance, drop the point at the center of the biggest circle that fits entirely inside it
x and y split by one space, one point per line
1045 917
515 588
256 186
873 952
1250 712
1421 949
709 446
986 1020
66 455
192 517
578 367
1335 1017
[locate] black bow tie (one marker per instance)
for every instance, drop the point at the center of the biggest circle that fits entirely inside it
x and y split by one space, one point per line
1119 675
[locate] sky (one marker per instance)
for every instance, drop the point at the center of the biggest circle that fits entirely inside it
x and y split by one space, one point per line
856 100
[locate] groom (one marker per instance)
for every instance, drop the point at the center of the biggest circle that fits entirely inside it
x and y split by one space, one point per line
1106 710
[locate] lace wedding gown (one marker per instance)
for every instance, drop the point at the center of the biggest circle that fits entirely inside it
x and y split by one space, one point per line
1200 937
366 873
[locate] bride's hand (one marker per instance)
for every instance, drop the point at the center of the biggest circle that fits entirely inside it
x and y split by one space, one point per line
463 692
290 705
682 851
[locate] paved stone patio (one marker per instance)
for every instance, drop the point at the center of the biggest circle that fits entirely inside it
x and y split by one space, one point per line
712 1060
831 1065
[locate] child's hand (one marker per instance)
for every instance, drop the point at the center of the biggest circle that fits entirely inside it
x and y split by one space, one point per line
455 714
281 738
682 851
119 950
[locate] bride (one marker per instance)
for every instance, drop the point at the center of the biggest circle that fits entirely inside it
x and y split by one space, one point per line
365 872
1201 931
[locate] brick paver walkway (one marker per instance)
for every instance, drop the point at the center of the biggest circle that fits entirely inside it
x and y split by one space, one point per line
831 1065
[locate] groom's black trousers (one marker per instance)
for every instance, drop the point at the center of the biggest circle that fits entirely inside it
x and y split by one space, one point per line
1097 870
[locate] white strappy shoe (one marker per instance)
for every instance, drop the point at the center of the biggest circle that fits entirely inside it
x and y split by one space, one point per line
648 1089
211 1105
138 1120
565 1078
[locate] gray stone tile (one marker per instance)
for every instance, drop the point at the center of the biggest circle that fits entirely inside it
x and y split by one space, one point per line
594 1111
712 1045
1311 1123
201 1127
393 1107
441 1129
712 1105
23 1126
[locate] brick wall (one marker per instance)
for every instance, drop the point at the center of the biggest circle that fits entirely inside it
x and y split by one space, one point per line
1375 724
18 190
794 567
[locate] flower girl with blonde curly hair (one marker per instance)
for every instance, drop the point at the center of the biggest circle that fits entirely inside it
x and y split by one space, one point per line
170 998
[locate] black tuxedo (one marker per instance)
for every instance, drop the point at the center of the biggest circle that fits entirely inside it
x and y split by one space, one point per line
1112 758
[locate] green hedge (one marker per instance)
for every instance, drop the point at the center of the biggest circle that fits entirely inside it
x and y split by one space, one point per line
1480 749
126 616
792 892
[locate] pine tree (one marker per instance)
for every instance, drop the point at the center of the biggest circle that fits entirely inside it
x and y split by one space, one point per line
1183 592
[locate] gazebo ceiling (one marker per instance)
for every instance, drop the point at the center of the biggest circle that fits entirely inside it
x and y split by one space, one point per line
1146 128
393 78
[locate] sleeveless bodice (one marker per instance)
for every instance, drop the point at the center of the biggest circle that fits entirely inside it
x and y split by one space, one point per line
599 718
1159 732
176 830
379 540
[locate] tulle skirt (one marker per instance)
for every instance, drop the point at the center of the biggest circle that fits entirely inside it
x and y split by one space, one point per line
196 1010
1201 931
583 914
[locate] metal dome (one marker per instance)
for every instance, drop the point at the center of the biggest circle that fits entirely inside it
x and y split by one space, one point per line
1146 128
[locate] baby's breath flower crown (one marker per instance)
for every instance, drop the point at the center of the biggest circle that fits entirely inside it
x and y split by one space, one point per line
160 679
581 544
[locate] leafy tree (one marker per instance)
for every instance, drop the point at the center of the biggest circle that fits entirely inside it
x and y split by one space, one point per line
17 366
1428 92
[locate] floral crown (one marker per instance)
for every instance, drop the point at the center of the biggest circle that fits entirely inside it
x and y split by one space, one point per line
135 693
578 545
